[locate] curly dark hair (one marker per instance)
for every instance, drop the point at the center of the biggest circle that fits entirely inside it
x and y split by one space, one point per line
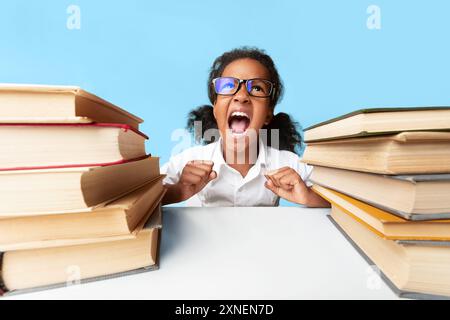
290 137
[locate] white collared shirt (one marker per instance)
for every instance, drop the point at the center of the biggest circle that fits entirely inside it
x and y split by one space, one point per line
230 188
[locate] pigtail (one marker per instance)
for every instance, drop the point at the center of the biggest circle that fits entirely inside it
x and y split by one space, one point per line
204 115
290 137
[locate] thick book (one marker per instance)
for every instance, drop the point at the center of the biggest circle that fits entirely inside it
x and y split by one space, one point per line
28 103
26 146
376 121
419 271
385 224
413 197
47 191
48 268
122 219
403 153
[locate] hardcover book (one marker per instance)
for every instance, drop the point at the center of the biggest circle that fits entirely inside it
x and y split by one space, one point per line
378 121
413 197
412 271
47 191
385 224
26 103
399 154
24 271
28 146
121 219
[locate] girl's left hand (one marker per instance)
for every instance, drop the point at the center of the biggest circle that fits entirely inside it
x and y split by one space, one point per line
287 184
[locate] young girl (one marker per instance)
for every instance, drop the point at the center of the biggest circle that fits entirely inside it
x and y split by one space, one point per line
249 158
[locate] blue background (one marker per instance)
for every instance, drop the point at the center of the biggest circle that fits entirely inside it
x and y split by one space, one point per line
133 52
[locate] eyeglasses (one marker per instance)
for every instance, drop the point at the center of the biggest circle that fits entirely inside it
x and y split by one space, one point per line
228 86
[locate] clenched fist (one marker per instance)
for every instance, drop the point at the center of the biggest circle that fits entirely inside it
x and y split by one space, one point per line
287 184
195 176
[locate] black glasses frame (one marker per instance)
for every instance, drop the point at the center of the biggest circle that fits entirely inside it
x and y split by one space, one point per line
241 81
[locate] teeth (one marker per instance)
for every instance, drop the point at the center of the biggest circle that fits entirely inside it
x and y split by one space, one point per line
240 114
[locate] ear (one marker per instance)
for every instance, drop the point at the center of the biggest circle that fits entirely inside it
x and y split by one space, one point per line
214 110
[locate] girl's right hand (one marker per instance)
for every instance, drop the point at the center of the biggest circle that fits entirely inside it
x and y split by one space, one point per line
194 177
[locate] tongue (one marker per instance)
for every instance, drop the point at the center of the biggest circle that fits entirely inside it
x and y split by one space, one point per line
238 125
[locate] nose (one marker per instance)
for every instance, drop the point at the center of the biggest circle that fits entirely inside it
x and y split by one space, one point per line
242 95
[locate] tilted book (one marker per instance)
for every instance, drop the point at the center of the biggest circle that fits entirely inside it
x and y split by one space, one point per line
412 271
385 224
122 218
46 191
413 197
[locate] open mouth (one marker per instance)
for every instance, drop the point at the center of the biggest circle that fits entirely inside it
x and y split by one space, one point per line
238 122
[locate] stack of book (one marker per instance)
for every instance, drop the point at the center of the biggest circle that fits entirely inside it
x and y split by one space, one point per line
79 196
386 173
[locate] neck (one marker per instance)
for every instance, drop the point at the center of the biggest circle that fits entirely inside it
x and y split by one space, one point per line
239 160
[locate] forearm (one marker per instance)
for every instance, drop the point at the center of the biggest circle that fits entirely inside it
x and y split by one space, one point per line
173 194
313 200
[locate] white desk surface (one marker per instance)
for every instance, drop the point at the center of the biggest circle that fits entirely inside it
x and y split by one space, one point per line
243 253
